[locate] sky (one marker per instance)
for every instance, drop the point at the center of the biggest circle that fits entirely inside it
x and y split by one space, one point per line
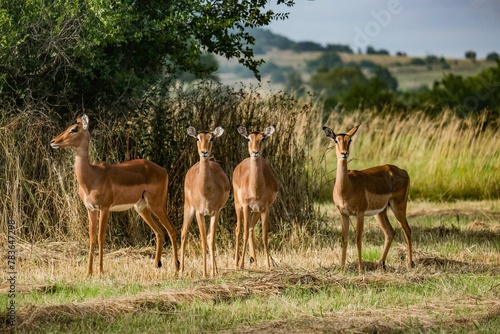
445 28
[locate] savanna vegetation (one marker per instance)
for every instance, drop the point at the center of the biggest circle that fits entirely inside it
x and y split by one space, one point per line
117 65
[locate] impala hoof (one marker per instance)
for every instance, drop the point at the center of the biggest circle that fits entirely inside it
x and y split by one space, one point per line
412 264
251 259
159 264
383 266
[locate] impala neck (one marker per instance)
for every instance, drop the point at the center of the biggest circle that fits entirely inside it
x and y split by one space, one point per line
342 183
256 173
83 168
205 176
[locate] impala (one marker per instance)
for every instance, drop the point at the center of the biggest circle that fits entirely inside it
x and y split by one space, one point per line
369 192
206 190
255 189
140 184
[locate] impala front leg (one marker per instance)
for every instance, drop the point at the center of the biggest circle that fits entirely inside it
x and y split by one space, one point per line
93 224
265 228
237 235
188 217
103 224
203 235
254 219
211 241
246 223
345 240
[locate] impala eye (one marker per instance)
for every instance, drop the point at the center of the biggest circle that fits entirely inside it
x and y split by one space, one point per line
74 130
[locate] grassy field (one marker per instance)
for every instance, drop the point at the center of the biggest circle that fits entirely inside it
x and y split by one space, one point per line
454 288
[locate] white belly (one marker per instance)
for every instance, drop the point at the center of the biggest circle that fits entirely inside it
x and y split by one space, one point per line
122 207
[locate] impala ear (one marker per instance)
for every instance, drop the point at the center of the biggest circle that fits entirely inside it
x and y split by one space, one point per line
353 130
191 131
243 131
85 121
269 131
329 132
218 131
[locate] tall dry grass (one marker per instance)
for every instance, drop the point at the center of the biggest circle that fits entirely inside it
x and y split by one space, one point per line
447 158
40 190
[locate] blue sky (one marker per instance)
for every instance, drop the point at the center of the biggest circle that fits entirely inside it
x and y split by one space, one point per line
418 27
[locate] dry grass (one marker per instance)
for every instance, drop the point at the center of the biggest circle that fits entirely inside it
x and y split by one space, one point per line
452 258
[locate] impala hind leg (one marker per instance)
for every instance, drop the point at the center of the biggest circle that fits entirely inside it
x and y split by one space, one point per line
188 218
160 211
144 211
359 239
93 224
400 213
385 225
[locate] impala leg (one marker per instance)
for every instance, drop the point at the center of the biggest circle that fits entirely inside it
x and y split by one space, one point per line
400 213
385 225
161 212
203 235
188 217
345 240
93 224
239 212
254 219
359 239
103 225
211 241
246 218
265 228
145 212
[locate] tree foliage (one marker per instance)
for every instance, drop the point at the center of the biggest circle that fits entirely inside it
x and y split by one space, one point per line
103 51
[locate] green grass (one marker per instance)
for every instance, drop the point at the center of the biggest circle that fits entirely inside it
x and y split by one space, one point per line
454 287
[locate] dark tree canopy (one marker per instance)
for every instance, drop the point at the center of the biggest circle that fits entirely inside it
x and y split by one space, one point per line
103 51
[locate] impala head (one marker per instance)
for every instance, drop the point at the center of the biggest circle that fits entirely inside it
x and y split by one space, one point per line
256 140
74 135
204 140
341 140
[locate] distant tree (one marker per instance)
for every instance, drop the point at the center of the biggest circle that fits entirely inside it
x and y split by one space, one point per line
324 62
385 75
373 93
370 50
308 46
337 81
295 83
492 56
338 48
208 60
471 55
401 54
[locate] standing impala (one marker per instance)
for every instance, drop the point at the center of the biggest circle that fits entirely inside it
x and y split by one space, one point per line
206 190
140 184
369 192
255 189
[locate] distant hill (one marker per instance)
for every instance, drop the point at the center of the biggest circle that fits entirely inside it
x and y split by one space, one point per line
266 41
283 56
